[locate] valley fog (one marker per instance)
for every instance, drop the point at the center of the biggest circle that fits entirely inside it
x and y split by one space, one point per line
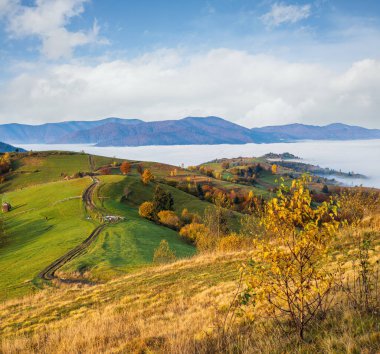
349 156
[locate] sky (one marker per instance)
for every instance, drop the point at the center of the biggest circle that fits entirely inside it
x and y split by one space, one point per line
255 63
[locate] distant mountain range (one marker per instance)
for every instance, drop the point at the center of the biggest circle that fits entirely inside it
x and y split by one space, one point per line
9 148
190 130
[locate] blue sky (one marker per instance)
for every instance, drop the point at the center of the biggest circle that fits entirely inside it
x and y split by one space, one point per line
252 62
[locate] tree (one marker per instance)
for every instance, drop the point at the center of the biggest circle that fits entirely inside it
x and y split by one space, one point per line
146 210
163 254
125 167
215 218
325 189
169 218
162 200
147 176
289 274
140 169
274 169
200 191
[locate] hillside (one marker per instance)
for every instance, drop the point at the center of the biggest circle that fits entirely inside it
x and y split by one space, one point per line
186 131
79 258
9 148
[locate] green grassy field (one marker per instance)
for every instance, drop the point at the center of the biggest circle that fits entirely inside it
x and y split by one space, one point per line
48 167
130 244
46 221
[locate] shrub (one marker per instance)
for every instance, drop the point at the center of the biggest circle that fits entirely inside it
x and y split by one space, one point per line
163 254
169 218
146 210
146 177
289 275
193 231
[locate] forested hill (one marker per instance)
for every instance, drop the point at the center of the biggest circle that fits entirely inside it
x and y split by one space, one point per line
186 131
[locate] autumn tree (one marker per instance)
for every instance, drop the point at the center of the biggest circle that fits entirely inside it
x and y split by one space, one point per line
125 167
163 254
274 169
146 177
146 210
289 275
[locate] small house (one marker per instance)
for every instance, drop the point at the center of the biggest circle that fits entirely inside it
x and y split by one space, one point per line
6 207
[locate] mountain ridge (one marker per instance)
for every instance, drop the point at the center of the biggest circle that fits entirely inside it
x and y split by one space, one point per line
115 131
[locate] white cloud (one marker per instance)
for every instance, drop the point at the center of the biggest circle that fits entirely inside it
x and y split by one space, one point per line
48 20
253 90
281 13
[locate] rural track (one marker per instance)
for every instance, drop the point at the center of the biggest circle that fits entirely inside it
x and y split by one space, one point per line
49 272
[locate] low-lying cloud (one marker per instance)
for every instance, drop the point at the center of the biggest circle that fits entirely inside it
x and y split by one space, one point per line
252 90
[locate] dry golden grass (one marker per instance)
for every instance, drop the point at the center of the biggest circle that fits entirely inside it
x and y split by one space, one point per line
163 304
176 308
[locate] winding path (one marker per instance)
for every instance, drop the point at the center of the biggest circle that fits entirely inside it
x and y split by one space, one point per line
49 272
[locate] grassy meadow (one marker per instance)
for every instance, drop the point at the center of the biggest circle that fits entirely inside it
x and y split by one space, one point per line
114 298
47 220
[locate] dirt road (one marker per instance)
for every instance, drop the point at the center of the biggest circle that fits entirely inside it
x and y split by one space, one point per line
49 272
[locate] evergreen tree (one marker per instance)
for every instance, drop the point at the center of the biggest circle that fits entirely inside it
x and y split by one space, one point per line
162 200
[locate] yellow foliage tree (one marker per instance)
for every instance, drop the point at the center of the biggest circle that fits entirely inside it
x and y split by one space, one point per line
274 169
163 254
146 210
147 176
289 276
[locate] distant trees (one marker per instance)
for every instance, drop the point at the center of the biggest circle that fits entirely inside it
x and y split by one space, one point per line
5 163
125 167
147 176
